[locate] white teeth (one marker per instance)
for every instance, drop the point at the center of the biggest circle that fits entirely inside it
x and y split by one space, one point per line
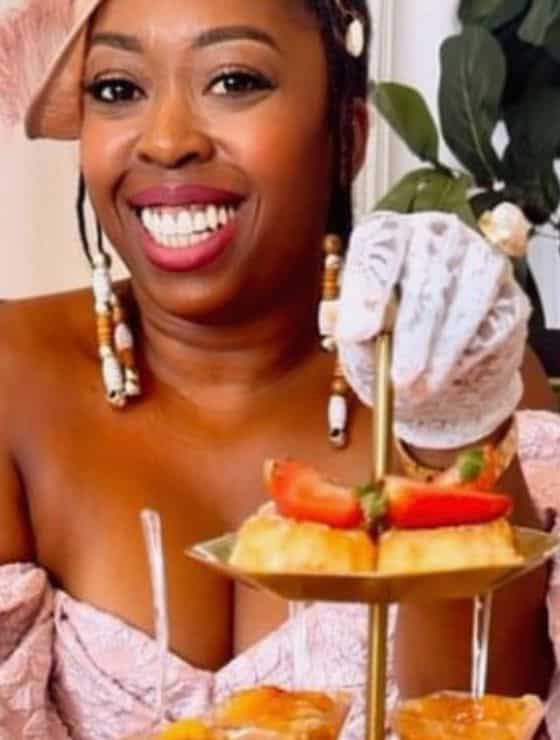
181 227
148 218
168 225
184 222
200 222
212 217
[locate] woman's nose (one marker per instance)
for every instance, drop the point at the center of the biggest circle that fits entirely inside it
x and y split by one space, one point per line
174 136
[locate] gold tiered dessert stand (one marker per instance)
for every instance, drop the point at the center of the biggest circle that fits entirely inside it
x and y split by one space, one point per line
378 590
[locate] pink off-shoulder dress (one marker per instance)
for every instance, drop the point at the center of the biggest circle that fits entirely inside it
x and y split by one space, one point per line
70 671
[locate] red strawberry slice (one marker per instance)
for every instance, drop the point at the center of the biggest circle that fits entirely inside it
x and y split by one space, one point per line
412 505
301 493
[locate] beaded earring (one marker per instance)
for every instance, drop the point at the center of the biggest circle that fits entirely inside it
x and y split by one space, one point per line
114 337
328 310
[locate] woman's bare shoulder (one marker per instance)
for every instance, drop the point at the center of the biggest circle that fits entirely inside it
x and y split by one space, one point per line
36 328
46 344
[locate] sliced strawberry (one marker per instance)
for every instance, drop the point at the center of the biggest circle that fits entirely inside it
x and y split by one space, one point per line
412 505
301 493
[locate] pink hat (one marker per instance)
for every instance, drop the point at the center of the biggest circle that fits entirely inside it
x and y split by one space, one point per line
55 111
39 35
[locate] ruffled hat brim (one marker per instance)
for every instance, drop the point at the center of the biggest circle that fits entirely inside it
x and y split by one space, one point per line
55 111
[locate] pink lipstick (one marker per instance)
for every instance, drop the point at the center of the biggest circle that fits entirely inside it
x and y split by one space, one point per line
186 259
210 242
183 195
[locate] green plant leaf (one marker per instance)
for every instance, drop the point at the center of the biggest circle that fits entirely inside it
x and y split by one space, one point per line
529 157
430 190
442 192
401 196
472 82
540 19
490 13
484 201
533 135
552 42
407 113
532 185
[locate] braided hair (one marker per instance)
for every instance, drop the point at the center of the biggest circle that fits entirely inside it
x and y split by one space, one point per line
348 79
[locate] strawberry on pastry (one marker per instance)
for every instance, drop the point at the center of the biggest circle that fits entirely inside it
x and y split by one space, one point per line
413 505
396 526
303 494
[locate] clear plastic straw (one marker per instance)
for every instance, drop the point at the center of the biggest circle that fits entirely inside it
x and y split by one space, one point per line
151 525
482 619
299 644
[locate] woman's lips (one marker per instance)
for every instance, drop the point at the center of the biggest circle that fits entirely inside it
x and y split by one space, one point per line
184 195
186 259
185 227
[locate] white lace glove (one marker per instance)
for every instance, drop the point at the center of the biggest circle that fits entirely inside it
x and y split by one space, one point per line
460 331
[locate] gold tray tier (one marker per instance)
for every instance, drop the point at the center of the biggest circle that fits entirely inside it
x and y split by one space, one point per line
374 588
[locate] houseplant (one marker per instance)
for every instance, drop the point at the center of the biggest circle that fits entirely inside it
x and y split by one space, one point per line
502 68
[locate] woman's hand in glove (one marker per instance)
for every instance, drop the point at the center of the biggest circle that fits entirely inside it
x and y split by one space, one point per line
460 329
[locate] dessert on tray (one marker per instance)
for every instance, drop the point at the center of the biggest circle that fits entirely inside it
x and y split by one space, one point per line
455 716
397 526
267 713
274 713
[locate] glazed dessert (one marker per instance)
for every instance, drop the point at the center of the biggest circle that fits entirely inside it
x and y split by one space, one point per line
188 729
455 716
267 713
270 712
399 526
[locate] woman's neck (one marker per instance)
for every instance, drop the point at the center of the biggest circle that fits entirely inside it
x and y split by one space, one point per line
223 364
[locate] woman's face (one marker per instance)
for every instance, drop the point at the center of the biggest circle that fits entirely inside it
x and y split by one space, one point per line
206 148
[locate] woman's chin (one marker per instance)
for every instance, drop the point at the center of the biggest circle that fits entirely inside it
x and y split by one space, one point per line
211 301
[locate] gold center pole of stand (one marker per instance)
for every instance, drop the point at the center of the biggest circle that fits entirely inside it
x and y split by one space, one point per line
382 444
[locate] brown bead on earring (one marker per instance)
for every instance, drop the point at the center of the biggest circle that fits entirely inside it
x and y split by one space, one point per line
328 313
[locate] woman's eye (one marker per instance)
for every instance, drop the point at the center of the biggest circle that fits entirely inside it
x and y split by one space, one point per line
114 91
239 83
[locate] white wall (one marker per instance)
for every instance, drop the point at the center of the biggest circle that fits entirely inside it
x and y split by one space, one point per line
40 251
39 248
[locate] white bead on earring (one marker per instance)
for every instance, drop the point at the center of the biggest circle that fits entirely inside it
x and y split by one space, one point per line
338 408
355 38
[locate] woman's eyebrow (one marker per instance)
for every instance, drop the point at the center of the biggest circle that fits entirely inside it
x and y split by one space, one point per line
212 36
232 33
117 41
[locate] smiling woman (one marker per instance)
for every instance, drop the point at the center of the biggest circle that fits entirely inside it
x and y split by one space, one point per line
217 146
236 112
